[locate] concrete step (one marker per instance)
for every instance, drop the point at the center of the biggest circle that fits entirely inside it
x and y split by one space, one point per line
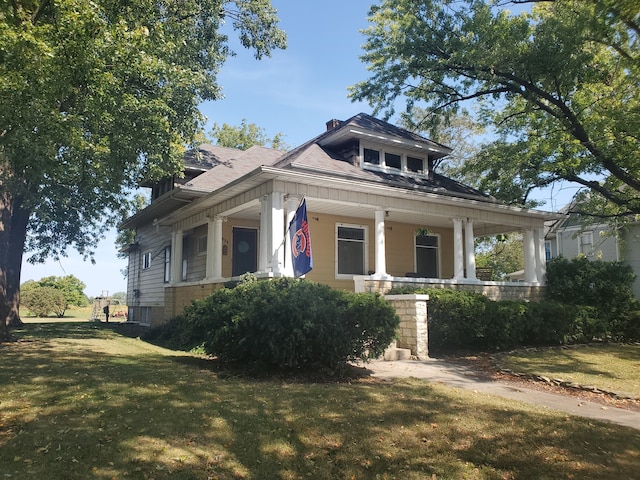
394 353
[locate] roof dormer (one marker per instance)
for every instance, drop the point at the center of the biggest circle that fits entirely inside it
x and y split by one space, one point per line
379 146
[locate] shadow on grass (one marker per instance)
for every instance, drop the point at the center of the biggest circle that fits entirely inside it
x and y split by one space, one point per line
99 405
582 359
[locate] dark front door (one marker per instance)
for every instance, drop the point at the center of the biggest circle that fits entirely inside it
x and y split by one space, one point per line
245 250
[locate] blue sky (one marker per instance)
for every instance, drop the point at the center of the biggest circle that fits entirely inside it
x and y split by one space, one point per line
295 92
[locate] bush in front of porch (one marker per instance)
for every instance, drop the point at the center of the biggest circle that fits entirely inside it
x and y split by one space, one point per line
465 321
285 324
586 301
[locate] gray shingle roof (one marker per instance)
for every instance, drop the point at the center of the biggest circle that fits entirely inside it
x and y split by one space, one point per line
231 165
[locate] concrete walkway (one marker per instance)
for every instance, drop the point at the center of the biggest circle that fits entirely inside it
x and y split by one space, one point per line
458 376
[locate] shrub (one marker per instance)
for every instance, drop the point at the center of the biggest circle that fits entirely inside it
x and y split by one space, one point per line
606 287
285 324
43 300
455 319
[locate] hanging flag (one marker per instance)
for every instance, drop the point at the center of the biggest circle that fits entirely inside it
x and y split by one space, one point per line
301 258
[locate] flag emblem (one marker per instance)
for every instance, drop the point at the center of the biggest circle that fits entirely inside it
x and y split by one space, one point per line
300 237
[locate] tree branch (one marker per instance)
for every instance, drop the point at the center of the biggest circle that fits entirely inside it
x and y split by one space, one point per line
608 194
35 16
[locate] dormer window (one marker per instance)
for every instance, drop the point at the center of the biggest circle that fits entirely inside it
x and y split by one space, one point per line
393 162
415 164
372 157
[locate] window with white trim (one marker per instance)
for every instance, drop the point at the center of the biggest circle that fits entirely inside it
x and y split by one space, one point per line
146 260
371 157
427 256
167 264
202 245
415 164
383 160
392 160
351 248
586 243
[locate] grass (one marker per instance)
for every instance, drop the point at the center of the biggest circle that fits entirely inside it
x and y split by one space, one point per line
79 400
73 313
611 367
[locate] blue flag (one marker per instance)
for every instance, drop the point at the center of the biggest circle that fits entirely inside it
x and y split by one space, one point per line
300 242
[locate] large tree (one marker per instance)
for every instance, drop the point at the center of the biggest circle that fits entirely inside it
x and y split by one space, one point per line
244 136
559 80
95 94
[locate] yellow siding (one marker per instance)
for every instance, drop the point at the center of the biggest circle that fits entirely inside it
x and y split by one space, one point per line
400 247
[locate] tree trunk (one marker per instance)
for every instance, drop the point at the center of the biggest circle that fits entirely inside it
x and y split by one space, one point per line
14 220
19 222
6 211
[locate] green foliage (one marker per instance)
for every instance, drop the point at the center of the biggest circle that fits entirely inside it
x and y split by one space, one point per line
245 136
120 297
579 281
604 287
128 207
460 320
285 324
72 289
459 132
560 84
97 95
502 254
41 301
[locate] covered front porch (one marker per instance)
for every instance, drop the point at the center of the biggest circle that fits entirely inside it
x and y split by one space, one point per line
366 238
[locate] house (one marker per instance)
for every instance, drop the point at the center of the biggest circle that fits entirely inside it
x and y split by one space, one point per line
571 237
379 217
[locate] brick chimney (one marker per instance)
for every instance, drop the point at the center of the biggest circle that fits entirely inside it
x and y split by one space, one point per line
333 123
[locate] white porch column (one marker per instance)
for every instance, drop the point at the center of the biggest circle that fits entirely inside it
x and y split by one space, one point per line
290 205
458 250
470 254
277 229
214 248
541 257
176 256
263 257
528 244
380 251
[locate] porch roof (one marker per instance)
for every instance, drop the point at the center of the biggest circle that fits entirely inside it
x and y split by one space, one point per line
337 195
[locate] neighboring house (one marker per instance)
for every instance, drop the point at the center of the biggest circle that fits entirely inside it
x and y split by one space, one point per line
570 237
379 217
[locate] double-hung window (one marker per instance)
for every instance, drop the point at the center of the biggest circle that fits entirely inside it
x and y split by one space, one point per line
586 243
351 247
146 260
427 258
167 264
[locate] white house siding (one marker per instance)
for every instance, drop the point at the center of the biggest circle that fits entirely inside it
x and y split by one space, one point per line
196 261
630 252
145 286
605 245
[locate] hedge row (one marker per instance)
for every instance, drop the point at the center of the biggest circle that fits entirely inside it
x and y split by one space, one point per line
470 321
284 324
586 301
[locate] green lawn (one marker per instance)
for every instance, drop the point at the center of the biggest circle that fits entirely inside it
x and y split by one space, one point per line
75 314
611 367
80 401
